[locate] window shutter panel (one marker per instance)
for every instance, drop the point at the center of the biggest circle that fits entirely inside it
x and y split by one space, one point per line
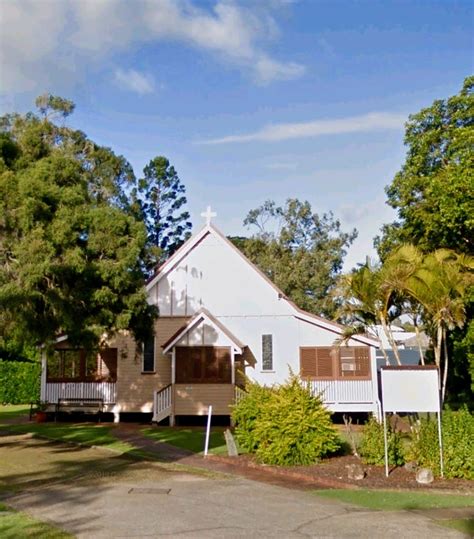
324 363
224 365
346 363
197 361
308 363
362 357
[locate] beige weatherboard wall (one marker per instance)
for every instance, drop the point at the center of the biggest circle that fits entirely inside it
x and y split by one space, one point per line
134 387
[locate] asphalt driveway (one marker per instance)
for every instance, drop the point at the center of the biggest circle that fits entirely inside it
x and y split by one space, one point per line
186 505
95 493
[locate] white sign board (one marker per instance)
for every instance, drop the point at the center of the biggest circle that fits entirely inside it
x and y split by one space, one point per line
410 390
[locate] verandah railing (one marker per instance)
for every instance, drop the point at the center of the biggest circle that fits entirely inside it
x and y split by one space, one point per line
79 390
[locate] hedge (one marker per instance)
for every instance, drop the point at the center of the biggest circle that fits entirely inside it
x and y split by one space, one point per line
458 444
19 382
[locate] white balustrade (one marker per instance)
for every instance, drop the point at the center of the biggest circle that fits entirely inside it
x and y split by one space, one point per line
79 390
344 391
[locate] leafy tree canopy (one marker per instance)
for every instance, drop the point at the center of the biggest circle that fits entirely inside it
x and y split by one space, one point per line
300 251
434 191
69 243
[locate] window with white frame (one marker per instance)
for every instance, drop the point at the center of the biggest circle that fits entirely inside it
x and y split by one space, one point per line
267 352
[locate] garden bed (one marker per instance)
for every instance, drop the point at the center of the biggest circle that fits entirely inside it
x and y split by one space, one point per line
332 473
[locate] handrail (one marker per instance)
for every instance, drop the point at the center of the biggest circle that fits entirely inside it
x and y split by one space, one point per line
162 403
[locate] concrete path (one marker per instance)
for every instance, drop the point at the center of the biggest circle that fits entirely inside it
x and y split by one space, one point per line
185 505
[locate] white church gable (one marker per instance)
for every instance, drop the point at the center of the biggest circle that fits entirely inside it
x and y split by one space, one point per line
215 276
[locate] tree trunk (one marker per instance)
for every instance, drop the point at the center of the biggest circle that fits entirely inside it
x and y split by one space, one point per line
446 363
391 341
384 352
418 341
437 348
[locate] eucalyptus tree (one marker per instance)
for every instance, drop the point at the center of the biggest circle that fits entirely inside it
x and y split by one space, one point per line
300 251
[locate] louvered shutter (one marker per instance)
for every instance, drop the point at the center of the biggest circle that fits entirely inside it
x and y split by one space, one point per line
324 363
362 358
184 365
308 363
225 365
197 359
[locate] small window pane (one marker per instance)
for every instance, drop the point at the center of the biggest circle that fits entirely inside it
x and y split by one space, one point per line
267 352
149 355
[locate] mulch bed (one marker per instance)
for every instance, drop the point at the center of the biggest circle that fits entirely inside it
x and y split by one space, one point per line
332 473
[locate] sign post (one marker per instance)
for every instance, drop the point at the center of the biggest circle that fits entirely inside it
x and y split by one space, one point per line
208 430
411 389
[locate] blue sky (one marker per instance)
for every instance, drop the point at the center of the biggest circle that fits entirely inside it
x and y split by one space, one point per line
249 100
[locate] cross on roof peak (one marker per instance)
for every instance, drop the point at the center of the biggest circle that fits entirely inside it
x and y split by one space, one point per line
208 215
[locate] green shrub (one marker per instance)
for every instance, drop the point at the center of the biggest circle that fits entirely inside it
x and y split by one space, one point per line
285 425
372 447
458 444
245 415
19 382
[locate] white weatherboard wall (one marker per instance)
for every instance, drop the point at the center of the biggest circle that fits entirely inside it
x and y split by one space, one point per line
204 335
215 276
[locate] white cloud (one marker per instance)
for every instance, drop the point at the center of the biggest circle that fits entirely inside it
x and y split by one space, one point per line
140 83
268 70
45 42
373 121
29 32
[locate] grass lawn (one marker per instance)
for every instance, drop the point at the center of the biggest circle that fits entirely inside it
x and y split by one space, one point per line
388 500
189 438
14 525
10 411
84 433
465 525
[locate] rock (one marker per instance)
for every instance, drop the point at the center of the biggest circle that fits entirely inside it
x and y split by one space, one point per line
231 447
355 472
424 476
411 466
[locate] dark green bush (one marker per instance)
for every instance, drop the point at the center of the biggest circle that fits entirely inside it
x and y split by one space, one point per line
285 425
372 447
19 382
458 444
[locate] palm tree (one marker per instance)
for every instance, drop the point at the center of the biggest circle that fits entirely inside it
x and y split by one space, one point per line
440 285
399 267
369 301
